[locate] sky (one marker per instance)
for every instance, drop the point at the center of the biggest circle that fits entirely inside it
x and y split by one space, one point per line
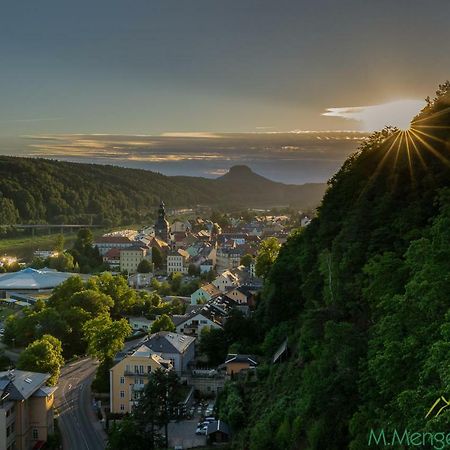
152 67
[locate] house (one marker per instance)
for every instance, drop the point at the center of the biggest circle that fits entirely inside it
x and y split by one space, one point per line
218 431
225 281
192 324
130 375
177 261
112 258
140 280
243 295
228 258
140 323
206 266
106 243
177 348
26 409
180 227
204 294
235 363
132 256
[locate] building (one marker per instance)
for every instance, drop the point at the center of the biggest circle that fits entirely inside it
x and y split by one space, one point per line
228 258
130 375
106 243
161 224
177 348
204 294
131 257
217 432
243 295
225 281
140 323
26 409
32 280
235 363
112 258
177 261
192 324
180 227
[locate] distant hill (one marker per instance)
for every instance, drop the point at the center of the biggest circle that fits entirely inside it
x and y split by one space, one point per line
41 190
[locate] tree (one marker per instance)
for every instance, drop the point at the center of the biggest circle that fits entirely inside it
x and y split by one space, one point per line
92 301
43 355
214 345
157 258
145 266
267 254
105 337
163 323
59 243
246 260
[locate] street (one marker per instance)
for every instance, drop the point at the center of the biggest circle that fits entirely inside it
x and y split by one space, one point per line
80 428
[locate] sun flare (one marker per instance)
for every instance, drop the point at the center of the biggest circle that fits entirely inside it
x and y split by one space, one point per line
397 113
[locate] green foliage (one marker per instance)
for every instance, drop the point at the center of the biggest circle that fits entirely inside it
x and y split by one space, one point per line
105 337
145 266
157 258
41 190
162 323
43 355
267 253
143 428
362 294
246 260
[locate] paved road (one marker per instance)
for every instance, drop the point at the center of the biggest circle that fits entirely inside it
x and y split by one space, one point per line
80 428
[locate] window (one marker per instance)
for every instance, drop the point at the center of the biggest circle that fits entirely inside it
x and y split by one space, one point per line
141 369
122 380
35 433
122 407
122 394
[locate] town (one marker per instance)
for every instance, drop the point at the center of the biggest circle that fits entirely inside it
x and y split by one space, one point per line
135 331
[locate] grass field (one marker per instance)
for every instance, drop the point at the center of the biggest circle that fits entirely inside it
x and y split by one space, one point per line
23 247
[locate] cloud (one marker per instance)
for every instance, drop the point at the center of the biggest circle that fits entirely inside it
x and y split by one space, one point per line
293 157
398 113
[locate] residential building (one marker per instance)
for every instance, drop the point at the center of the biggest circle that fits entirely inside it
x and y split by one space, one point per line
177 348
206 266
225 281
228 258
131 257
140 323
112 258
106 243
235 363
243 295
130 375
26 409
192 324
179 226
177 261
204 294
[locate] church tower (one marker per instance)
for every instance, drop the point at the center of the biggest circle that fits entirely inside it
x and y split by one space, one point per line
162 225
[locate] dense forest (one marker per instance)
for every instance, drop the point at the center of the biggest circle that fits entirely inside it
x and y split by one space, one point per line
363 297
47 191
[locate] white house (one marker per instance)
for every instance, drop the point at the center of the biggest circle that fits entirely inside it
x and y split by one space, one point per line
177 261
225 281
193 324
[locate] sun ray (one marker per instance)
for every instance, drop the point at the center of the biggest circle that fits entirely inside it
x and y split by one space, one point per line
430 136
432 116
416 150
408 153
430 148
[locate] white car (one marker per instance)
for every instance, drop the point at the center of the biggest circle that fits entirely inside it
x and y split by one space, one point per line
201 430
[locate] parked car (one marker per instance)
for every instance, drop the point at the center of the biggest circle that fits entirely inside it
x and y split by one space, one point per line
201 430
210 419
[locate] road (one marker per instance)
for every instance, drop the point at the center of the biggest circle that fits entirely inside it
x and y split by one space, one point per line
80 428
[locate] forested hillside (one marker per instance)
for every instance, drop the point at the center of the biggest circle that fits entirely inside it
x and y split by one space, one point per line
39 190
363 297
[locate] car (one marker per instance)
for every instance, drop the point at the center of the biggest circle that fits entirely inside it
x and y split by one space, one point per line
178 447
2 331
201 430
210 419
202 424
